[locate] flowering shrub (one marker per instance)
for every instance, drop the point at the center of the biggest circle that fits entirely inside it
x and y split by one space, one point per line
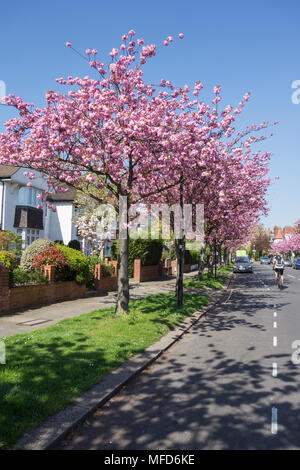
37 247
51 256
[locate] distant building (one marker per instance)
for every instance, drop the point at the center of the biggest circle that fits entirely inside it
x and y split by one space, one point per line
280 234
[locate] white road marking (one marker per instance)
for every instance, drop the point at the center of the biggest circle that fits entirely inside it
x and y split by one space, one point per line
275 369
274 424
291 276
275 314
275 341
275 324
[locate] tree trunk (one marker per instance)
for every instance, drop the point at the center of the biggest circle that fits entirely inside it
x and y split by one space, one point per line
123 278
201 264
179 272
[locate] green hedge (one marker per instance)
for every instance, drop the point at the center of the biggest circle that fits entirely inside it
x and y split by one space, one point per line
19 277
148 251
75 244
195 256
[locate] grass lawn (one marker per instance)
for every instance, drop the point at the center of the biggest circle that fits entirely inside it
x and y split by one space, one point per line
209 281
48 368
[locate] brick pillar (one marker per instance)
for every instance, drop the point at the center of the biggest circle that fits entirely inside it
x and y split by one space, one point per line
98 276
49 272
137 270
115 265
4 289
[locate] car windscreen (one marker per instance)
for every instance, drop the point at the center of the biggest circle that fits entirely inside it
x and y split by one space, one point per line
241 260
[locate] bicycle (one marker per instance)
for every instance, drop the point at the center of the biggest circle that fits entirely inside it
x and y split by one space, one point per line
279 281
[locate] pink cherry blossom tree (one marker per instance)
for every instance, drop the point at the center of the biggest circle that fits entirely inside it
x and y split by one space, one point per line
119 134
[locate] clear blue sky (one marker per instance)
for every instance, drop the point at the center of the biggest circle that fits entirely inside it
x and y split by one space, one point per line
244 46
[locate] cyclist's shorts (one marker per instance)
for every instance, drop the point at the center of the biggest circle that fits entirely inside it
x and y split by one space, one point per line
279 271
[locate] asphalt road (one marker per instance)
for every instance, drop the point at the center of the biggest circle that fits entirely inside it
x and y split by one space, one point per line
230 383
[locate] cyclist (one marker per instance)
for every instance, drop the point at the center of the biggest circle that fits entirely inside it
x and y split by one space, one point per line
278 266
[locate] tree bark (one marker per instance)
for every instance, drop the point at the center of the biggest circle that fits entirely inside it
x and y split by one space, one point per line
201 264
123 278
122 305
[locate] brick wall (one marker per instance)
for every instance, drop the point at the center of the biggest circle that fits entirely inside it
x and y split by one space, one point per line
109 283
146 273
17 298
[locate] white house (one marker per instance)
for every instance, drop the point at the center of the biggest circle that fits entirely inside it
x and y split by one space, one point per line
18 211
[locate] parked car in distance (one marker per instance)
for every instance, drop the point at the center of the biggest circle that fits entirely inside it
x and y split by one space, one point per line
296 264
265 260
287 262
242 265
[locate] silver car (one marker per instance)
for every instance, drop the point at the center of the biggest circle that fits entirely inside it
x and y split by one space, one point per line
242 265
265 260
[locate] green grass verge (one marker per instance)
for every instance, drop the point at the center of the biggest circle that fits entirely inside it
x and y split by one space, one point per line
209 281
48 368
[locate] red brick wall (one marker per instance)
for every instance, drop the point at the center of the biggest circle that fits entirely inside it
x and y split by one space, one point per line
109 283
21 297
43 294
4 289
146 273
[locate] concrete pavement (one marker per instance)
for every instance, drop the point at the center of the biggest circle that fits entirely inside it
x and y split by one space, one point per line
229 383
35 318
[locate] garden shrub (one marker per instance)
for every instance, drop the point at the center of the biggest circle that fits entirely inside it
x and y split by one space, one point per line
75 244
51 256
77 268
19 277
195 256
32 250
9 260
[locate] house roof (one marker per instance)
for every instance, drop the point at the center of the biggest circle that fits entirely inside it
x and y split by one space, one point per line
63 197
278 233
6 171
288 230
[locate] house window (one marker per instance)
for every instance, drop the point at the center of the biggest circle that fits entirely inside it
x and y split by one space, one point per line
28 196
28 235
